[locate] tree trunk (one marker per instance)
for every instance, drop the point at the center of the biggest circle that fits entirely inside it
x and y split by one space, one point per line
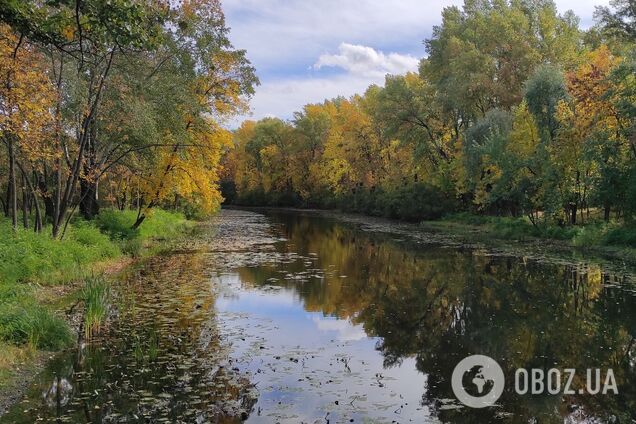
58 199
606 212
573 211
13 205
38 215
25 204
139 221
89 205
6 201
41 182
89 186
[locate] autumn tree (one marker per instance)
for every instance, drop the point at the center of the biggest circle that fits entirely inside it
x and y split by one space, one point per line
26 97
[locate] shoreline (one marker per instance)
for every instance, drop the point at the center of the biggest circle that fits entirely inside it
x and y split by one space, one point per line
441 233
34 362
28 362
462 235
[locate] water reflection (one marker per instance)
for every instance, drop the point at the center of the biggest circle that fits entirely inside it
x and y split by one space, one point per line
434 306
160 361
327 322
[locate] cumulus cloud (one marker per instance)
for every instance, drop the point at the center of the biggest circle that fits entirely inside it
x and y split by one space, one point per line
364 60
287 33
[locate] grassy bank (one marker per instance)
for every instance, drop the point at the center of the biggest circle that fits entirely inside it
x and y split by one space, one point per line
595 234
40 277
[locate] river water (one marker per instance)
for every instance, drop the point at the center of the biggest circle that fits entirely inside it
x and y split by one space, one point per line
288 317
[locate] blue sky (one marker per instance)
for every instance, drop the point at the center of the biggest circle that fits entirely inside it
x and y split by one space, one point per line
308 50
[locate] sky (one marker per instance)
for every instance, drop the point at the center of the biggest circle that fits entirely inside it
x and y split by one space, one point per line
306 51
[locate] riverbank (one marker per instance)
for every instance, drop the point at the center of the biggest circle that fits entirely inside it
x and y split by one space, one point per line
607 240
511 236
43 281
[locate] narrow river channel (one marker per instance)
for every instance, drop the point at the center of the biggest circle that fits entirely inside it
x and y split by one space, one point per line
287 317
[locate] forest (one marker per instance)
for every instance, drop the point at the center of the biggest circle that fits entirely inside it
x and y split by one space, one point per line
118 103
515 112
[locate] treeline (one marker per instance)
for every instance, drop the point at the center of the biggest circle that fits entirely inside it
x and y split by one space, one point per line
515 111
116 103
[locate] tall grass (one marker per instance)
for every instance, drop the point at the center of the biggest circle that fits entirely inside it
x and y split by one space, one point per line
160 225
96 297
24 322
26 256
28 259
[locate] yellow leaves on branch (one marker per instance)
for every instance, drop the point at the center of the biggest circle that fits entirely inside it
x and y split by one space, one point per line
26 95
219 90
588 85
189 168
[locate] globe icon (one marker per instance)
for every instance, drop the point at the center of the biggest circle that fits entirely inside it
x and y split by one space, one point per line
478 381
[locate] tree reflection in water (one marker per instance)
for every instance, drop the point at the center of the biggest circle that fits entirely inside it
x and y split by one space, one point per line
443 304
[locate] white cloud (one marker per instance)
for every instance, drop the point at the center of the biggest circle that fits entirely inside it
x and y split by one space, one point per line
345 329
363 60
282 97
277 33
363 65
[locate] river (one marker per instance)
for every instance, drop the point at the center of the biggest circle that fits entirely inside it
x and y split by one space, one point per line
306 317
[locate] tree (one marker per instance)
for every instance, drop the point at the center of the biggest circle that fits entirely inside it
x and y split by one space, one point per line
620 19
407 109
141 88
26 96
480 57
590 142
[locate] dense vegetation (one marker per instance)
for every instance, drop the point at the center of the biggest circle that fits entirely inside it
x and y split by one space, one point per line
118 103
32 264
109 110
515 112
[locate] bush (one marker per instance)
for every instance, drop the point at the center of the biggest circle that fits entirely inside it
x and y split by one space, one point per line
590 235
160 224
117 224
621 236
417 202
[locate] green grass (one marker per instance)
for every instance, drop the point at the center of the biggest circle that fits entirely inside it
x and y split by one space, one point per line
26 256
25 322
96 297
160 225
595 233
29 260
31 265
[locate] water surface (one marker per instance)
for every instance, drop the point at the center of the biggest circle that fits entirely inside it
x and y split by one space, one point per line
291 317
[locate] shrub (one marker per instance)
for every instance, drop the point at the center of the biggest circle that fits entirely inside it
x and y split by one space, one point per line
590 235
117 224
159 225
621 236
